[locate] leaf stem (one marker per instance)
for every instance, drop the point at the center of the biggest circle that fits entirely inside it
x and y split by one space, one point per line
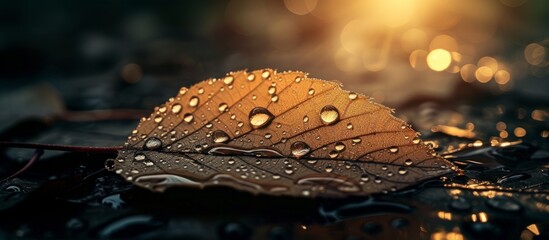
31 162
55 147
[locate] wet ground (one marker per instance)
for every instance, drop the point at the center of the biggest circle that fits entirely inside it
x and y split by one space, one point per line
501 192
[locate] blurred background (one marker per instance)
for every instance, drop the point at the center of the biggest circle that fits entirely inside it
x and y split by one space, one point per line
136 54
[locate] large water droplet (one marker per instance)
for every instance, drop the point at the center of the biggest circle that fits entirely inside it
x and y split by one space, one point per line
329 169
176 108
228 80
251 77
193 102
393 149
333 154
300 149
158 119
223 107
402 171
260 117
188 118
271 90
408 162
329 115
162 109
265 74
153 143
339 146
220 136
311 91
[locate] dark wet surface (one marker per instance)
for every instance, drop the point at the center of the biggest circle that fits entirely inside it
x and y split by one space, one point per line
501 192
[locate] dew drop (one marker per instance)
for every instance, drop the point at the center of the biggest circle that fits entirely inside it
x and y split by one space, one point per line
353 95
228 80
109 164
220 136
377 180
408 162
339 146
251 77
365 178
274 98
271 90
305 119
288 170
329 169
194 101
268 135
393 149
306 193
139 157
230 161
349 126
402 171
356 140
223 107
240 124
176 108
333 154
329 115
300 149
260 117
158 119
415 140
298 79
200 90
162 109
153 143
183 91
276 176
265 74
311 91
188 118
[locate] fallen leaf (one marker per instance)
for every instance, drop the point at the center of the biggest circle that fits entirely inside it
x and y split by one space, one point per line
279 134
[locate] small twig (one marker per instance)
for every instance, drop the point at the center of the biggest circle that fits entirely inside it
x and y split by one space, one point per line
82 149
31 162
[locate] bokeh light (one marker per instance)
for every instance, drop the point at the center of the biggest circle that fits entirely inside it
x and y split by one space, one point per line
439 59
484 74
301 7
534 54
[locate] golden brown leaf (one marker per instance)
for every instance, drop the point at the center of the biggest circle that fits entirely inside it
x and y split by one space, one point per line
276 133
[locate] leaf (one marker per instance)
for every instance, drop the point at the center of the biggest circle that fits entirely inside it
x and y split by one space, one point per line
279 134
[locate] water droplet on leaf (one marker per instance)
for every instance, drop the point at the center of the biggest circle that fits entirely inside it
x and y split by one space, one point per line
260 117
329 115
